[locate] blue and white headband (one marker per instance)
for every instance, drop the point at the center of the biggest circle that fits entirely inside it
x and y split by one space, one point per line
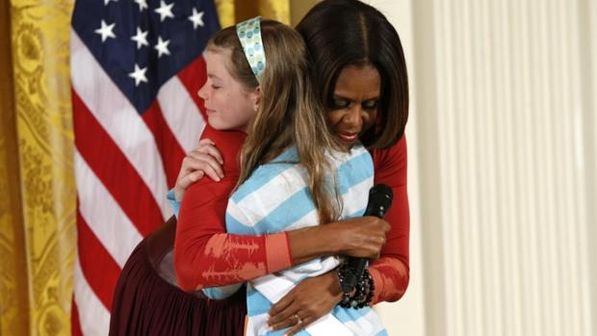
249 34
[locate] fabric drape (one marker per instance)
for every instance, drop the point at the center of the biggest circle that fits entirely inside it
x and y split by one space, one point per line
38 198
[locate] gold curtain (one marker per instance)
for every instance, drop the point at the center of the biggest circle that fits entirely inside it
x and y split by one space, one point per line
37 190
233 11
38 199
13 268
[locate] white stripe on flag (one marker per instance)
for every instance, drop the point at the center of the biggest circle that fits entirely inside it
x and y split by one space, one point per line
105 218
181 113
119 119
94 318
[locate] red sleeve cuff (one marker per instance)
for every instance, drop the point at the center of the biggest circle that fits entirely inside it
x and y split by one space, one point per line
277 252
377 282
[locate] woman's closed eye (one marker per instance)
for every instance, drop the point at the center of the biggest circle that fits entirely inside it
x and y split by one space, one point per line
341 103
369 104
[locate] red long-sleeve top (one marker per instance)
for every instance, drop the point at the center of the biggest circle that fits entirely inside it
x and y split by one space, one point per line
206 256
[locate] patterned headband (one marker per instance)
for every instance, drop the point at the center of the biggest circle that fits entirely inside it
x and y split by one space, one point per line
249 34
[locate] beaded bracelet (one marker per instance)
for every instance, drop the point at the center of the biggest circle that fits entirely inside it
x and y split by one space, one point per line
362 295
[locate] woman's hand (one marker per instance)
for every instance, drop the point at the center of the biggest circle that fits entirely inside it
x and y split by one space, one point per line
361 237
203 160
311 299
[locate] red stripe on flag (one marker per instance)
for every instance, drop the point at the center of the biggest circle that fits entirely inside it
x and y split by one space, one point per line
193 76
98 266
114 170
75 324
169 148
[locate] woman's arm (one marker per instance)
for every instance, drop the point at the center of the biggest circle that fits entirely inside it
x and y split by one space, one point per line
206 256
390 273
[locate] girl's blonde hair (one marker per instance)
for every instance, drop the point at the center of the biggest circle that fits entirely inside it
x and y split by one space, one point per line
289 111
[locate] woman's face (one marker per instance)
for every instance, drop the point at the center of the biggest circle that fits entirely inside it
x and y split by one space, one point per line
228 103
355 103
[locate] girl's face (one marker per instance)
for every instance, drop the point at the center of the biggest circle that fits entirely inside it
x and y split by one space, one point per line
229 104
356 98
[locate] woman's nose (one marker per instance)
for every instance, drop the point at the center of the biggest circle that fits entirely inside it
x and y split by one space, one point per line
354 116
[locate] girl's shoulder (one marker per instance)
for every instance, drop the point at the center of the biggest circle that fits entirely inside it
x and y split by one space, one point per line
357 158
282 171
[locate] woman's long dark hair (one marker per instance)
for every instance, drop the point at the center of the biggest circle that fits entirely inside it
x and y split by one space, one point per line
339 33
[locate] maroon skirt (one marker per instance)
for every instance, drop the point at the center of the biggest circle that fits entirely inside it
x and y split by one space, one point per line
148 302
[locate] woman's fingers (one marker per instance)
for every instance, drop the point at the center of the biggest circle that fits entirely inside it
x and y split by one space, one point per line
282 304
281 310
300 326
283 319
311 299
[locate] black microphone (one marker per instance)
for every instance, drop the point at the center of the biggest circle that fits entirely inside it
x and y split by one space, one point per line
380 200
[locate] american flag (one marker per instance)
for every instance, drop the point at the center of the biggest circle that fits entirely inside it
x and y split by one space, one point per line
136 67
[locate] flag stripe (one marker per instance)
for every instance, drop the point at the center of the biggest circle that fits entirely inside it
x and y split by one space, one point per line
114 170
134 121
75 324
103 214
181 113
169 147
120 120
95 319
192 77
98 266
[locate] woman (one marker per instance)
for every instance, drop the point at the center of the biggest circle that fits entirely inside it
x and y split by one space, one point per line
161 308
292 173
317 296
364 85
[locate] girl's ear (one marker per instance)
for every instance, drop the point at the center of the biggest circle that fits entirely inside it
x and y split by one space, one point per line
256 98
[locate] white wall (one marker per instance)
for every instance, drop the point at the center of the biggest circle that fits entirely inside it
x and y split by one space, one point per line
506 121
502 162
405 317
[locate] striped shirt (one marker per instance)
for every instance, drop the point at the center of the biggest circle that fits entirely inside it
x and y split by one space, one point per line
276 198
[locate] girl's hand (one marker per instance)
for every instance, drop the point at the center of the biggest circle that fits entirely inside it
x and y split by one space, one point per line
203 160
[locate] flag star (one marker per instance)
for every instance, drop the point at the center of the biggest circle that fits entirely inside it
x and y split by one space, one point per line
140 38
165 10
162 47
196 18
138 75
106 31
142 4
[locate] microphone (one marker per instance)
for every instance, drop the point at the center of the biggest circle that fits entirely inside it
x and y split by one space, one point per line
380 200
